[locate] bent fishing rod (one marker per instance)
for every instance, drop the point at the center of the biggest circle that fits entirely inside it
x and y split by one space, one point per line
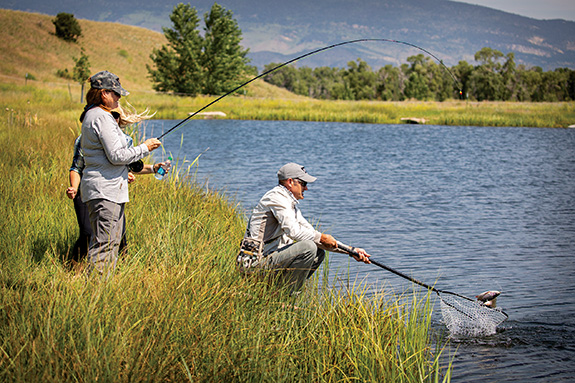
304 56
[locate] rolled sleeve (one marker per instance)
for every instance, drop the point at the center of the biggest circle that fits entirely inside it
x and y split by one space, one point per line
78 160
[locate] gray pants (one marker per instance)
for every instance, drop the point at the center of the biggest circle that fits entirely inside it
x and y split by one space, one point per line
294 263
107 221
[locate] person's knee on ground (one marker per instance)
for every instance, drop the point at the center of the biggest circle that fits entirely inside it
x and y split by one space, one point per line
296 263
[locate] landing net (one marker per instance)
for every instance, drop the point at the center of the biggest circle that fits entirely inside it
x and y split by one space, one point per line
465 317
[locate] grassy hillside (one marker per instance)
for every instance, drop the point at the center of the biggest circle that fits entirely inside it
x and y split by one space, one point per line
29 45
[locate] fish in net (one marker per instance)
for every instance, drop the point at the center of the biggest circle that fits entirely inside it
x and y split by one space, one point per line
467 317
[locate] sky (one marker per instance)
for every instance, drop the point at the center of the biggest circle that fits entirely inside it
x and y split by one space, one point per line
537 9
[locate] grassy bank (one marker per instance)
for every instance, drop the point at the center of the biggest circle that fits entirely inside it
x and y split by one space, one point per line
176 309
454 113
267 104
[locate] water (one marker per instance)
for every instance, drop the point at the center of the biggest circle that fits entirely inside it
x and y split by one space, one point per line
468 208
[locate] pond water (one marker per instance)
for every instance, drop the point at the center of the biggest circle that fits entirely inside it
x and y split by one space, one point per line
467 208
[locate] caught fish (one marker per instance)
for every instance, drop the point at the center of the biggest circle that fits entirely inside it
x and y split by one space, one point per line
488 298
488 295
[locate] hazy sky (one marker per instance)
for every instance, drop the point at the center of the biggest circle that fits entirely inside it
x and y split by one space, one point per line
537 9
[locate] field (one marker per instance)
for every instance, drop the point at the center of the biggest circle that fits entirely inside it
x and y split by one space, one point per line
175 309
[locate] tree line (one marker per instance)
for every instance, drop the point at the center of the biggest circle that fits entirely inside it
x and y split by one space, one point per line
496 78
213 62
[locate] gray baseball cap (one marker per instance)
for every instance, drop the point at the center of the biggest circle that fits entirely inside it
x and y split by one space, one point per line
108 81
293 170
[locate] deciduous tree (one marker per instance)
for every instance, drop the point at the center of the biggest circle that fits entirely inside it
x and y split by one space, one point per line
361 80
487 82
81 71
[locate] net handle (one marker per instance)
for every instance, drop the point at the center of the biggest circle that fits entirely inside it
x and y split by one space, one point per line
351 251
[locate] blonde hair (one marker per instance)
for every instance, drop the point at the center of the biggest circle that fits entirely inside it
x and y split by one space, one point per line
129 116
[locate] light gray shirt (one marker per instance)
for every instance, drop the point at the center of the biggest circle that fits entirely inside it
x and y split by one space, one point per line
106 156
277 220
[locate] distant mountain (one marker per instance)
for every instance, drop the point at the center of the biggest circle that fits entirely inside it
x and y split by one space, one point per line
278 30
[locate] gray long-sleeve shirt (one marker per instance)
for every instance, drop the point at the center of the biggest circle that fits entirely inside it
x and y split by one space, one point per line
106 154
278 222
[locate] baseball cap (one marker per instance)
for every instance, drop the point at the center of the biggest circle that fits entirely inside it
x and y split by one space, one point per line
293 170
108 81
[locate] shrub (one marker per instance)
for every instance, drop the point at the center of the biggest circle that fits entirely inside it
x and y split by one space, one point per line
67 27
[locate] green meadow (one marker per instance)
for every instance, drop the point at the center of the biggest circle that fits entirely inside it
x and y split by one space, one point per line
455 113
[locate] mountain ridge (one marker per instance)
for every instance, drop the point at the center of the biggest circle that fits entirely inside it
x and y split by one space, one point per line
277 31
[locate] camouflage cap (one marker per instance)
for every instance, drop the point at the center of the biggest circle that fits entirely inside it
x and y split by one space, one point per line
108 81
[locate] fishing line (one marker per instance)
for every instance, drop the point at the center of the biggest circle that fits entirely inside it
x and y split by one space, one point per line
306 55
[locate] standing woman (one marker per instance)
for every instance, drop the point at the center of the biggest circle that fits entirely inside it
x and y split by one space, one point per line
104 186
80 249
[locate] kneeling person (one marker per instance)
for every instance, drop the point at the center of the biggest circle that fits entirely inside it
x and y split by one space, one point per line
280 239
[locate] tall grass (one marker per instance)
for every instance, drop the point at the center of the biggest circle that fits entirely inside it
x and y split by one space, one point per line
454 113
462 113
175 308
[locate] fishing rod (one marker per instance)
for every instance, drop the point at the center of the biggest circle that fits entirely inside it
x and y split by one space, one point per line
306 55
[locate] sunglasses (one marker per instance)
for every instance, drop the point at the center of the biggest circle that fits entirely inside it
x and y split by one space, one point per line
116 93
302 183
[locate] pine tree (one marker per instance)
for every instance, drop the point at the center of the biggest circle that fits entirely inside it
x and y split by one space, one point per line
179 65
224 59
192 64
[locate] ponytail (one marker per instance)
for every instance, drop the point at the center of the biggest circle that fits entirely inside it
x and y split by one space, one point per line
93 98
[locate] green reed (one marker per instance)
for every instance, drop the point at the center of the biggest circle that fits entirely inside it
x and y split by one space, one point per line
175 309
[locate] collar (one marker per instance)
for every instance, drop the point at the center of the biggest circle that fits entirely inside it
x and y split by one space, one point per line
105 108
289 193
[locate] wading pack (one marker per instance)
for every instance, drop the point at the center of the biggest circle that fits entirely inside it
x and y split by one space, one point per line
250 255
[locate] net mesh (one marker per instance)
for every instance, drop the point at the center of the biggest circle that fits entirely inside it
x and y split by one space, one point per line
465 317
